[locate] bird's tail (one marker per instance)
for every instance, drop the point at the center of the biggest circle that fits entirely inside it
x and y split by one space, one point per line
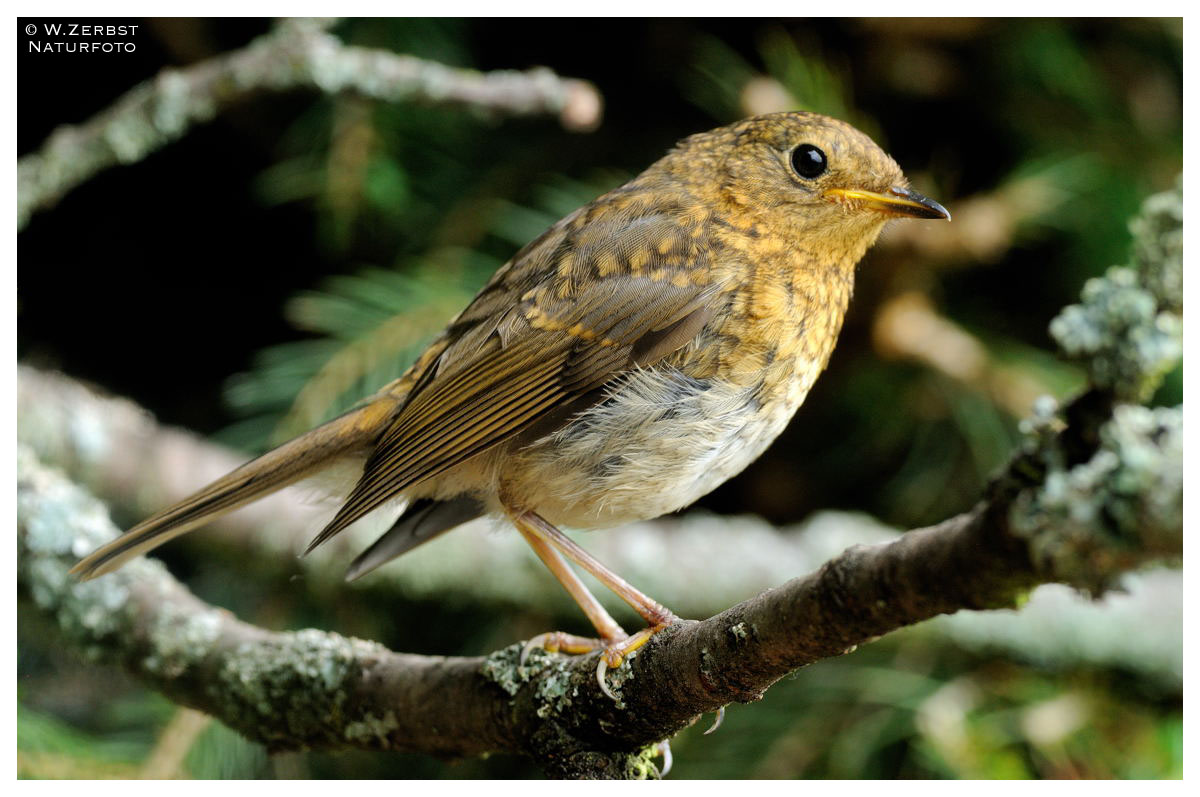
289 463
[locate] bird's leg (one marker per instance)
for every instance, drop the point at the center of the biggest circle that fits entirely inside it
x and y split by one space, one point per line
608 628
658 616
651 610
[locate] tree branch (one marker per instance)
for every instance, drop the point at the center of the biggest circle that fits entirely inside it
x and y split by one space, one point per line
295 54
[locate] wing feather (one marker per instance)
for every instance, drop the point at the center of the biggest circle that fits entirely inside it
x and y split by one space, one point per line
560 339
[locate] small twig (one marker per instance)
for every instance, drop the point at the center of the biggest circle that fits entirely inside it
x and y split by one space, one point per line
296 54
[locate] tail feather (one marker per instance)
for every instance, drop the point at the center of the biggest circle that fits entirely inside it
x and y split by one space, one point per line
421 522
274 470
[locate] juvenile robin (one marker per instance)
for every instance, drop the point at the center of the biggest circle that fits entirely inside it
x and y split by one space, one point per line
636 355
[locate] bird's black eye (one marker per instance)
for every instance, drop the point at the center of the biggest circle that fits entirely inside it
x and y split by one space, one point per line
809 161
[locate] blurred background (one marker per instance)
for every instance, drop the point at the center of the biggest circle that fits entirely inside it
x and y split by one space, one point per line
244 283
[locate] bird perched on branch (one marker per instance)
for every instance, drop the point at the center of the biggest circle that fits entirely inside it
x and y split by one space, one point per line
640 352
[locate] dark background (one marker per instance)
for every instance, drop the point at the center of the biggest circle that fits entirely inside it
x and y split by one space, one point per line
169 280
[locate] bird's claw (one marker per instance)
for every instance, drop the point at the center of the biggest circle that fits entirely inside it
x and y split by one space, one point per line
615 654
663 748
602 666
717 721
535 642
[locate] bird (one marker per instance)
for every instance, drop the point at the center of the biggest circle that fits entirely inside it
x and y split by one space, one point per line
640 352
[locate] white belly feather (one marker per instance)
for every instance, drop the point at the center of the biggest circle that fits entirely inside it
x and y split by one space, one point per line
657 443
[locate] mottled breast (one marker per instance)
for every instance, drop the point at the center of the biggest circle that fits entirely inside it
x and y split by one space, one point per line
664 436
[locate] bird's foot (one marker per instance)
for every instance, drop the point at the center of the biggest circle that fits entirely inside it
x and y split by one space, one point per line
558 642
614 654
613 651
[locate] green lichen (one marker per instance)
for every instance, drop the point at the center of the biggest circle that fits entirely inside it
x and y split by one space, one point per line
556 688
556 684
179 638
641 765
58 522
504 667
1042 427
306 676
1118 331
617 677
595 765
1128 329
1158 247
372 728
1089 523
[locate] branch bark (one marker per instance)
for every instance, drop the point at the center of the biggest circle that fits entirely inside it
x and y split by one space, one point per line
296 54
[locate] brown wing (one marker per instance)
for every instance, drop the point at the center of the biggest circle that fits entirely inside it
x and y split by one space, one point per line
546 331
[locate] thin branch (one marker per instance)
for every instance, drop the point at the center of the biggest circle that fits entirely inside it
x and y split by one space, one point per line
288 691
296 54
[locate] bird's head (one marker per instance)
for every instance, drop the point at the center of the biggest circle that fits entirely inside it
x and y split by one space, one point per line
817 181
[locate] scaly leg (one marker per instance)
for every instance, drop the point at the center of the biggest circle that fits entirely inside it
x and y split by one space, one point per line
532 525
608 628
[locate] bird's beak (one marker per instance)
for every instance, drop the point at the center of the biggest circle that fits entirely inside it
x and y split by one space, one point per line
896 202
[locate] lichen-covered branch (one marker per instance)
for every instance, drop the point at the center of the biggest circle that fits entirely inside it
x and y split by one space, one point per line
1128 330
1096 491
118 452
1110 472
295 54
121 454
289 691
